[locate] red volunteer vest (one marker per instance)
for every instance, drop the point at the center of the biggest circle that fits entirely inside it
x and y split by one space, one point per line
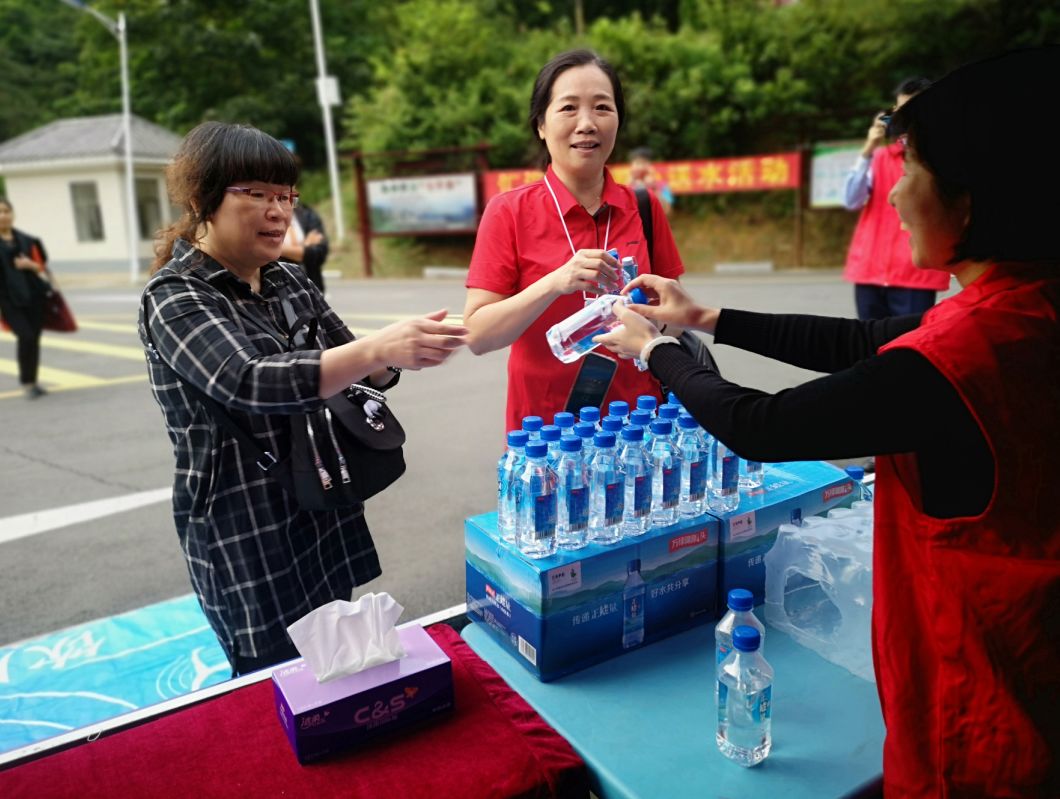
879 253
966 614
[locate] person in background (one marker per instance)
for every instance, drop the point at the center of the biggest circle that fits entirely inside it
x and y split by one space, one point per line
211 319
306 243
642 176
886 283
23 289
960 406
541 249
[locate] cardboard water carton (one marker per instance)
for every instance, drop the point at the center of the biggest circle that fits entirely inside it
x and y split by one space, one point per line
322 718
565 612
789 493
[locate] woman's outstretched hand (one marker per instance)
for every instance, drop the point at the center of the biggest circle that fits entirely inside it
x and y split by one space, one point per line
422 342
671 304
629 338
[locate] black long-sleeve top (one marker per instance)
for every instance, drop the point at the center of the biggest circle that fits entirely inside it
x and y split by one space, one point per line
867 404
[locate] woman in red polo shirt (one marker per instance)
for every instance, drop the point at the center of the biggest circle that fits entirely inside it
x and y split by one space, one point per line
961 406
541 248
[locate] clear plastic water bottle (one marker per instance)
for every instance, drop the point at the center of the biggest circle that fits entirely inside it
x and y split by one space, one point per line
533 425
619 408
647 402
585 431
564 420
666 474
620 274
724 478
509 469
745 701
628 269
536 529
606 491
642 418
862 491
695 457
636 516
572 477
633 606
590 413
573 337
741 611
753 475
551 435
612 424
669 411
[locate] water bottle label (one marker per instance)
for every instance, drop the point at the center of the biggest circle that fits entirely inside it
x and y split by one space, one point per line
730 474
613 503
697 480
641 495
577 508
544 515
760 705
671 487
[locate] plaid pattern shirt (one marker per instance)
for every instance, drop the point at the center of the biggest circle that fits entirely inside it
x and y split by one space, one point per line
257 561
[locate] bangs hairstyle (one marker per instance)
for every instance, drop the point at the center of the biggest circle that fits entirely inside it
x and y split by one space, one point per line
987 131
212 157
541 96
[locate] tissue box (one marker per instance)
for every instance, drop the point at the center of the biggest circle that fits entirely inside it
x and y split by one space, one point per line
322 718
568 611
789 492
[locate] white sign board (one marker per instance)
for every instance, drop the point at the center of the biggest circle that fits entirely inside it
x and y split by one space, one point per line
828 171
431 203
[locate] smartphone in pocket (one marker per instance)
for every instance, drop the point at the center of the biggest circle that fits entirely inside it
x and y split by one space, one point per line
594 379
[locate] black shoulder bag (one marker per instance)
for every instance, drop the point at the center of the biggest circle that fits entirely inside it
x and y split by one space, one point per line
691 343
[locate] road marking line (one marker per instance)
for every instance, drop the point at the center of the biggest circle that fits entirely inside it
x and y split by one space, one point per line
103 382
79 345
107 327
52 376
26 524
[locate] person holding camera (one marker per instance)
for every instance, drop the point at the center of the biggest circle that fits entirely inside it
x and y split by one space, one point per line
214 323
886 283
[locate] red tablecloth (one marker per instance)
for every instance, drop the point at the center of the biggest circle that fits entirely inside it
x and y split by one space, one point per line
493 745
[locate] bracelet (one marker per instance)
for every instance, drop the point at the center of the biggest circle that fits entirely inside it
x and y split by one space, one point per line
395 369
645 353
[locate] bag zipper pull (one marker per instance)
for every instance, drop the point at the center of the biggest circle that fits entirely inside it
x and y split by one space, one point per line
343 471
322 473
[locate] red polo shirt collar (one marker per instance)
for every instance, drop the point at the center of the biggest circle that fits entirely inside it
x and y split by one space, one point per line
612 195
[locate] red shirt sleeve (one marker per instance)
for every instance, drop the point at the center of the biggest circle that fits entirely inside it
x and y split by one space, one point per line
494 265
665 260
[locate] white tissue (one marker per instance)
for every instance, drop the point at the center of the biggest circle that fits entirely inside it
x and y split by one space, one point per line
343 638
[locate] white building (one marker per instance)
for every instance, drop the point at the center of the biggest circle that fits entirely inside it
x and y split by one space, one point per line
66 181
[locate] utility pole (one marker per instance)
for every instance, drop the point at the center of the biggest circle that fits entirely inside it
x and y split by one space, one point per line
328 95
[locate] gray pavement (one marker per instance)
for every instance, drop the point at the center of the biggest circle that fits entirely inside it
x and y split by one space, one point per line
99 435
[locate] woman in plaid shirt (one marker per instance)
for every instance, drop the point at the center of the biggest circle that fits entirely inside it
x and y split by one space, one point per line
257 561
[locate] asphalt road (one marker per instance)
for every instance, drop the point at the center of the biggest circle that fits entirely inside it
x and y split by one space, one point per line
99 436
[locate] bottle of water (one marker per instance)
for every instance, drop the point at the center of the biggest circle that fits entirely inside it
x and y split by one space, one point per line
647 402
585 431
636 517
564 420
694 460
641 418
753 475
666 474
669 411
573 337
532 425
509 469
629 269
572 477
622 280
619 408
551 435
633 606
745 701
612 424
724 479
741 611
536 529
606 491
862 491
590 413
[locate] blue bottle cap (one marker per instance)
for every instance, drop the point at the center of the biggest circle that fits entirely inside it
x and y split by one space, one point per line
570 444
532 423
662 427
633 566
638 297
550 432
537 449
646 402
589 414
612 424
640 417
686 422
585 430
672 399
604 440
563 420
746 638
613 253
856 473
633 432
618 408
518 438
669 411
741 599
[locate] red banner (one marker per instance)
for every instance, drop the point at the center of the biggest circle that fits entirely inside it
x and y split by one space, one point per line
710 176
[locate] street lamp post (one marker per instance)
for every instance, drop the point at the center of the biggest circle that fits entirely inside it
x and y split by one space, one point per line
327 94
117 29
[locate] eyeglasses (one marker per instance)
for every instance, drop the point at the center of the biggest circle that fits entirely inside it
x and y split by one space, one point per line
264 196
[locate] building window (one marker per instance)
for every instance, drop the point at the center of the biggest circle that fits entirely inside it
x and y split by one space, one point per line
148 208
87 215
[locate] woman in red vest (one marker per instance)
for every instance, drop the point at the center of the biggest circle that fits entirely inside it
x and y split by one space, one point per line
962 409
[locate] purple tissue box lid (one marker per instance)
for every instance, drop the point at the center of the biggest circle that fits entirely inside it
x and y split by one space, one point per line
304 693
